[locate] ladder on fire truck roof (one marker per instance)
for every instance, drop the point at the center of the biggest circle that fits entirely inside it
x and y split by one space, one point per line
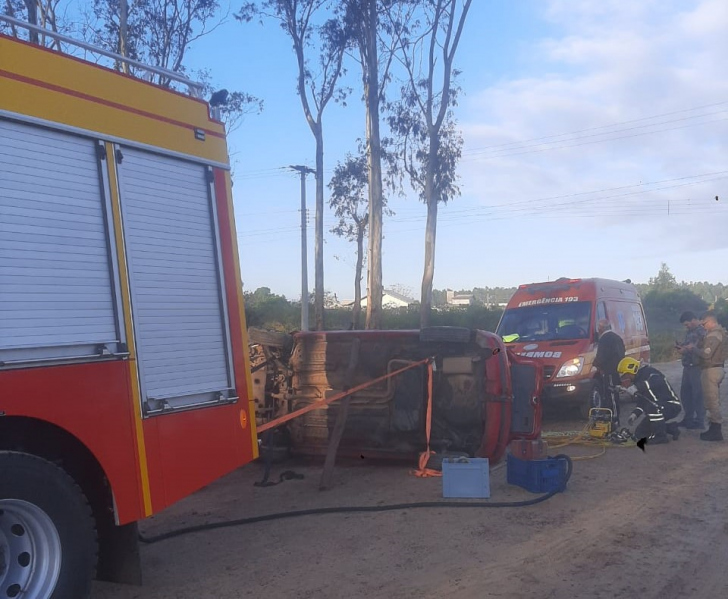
195 88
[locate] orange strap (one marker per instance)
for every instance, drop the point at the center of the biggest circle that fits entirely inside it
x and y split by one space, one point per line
423 471
324 402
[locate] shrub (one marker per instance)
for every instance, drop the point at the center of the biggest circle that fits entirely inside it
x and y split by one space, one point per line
662 347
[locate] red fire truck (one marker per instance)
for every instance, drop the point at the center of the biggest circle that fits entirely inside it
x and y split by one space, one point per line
124 376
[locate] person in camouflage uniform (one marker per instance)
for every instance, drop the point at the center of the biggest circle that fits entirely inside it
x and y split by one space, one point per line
691 389
713 353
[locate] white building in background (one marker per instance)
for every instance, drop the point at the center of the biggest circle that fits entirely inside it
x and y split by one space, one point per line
390 299
458 299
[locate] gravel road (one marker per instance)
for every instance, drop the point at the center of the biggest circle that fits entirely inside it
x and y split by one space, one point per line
652 524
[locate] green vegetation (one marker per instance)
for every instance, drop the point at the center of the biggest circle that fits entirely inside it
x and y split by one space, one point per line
664 300
270 311
662 311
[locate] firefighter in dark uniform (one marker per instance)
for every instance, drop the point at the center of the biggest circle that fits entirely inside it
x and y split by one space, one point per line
610 350
655 400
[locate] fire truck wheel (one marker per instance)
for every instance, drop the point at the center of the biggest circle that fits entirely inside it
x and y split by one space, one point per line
48 546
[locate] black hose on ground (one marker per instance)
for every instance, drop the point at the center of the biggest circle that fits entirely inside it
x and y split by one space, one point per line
366 508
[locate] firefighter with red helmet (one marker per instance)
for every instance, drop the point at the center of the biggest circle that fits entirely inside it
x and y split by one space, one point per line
655 399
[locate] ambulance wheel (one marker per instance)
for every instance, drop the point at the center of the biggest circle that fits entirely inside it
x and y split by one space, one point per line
48 545
593 400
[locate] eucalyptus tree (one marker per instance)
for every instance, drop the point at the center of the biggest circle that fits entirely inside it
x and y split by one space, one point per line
319 42
349 201
422 120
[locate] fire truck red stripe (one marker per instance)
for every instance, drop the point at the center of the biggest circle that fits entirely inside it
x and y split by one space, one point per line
109 103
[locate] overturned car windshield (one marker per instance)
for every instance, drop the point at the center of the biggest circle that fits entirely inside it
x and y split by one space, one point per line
546 323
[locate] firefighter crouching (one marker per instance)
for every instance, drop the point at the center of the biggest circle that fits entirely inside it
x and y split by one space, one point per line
655 400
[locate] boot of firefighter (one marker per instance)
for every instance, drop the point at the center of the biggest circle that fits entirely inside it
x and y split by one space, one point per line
659 433
714 433
673 430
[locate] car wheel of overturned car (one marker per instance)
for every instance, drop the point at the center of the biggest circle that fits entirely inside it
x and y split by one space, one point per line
276 454
275 446
269 338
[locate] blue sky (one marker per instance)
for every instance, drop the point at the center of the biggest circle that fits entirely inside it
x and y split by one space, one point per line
595 143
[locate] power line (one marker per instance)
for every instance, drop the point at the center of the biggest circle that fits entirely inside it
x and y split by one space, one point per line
563 147
402 214
596 191
703 210
259 232
540 205
527 147
684 206
617 124
608 197
267 212
266 172
528 207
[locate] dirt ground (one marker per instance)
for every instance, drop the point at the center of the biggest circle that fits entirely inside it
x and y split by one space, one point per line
652 524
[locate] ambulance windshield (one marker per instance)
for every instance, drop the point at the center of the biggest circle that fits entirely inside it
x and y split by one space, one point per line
546 322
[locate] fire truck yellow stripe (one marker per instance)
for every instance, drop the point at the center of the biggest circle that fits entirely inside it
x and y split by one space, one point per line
71 92
126 301
241 308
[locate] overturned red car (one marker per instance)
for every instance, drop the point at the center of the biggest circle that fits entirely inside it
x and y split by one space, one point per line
483 395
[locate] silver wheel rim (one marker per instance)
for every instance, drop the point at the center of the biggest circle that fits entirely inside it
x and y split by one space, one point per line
30 551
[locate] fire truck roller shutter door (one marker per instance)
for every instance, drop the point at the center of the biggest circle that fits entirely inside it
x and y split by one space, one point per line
57 284
179 311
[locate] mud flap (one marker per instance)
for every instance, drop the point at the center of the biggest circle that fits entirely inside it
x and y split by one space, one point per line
119 559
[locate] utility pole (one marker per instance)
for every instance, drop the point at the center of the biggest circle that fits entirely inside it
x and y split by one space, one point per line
303 171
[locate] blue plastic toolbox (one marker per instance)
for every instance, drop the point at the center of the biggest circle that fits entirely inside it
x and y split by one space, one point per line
537 476
465 477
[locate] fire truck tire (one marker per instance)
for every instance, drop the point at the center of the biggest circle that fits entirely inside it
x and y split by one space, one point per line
269 338
48 542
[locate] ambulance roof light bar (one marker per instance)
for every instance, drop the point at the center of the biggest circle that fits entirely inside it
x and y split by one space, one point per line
194 87
561 280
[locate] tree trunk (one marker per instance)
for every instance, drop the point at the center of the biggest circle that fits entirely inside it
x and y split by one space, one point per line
124 33
356 316
429 273
374 279
431 199
32 19
319 233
